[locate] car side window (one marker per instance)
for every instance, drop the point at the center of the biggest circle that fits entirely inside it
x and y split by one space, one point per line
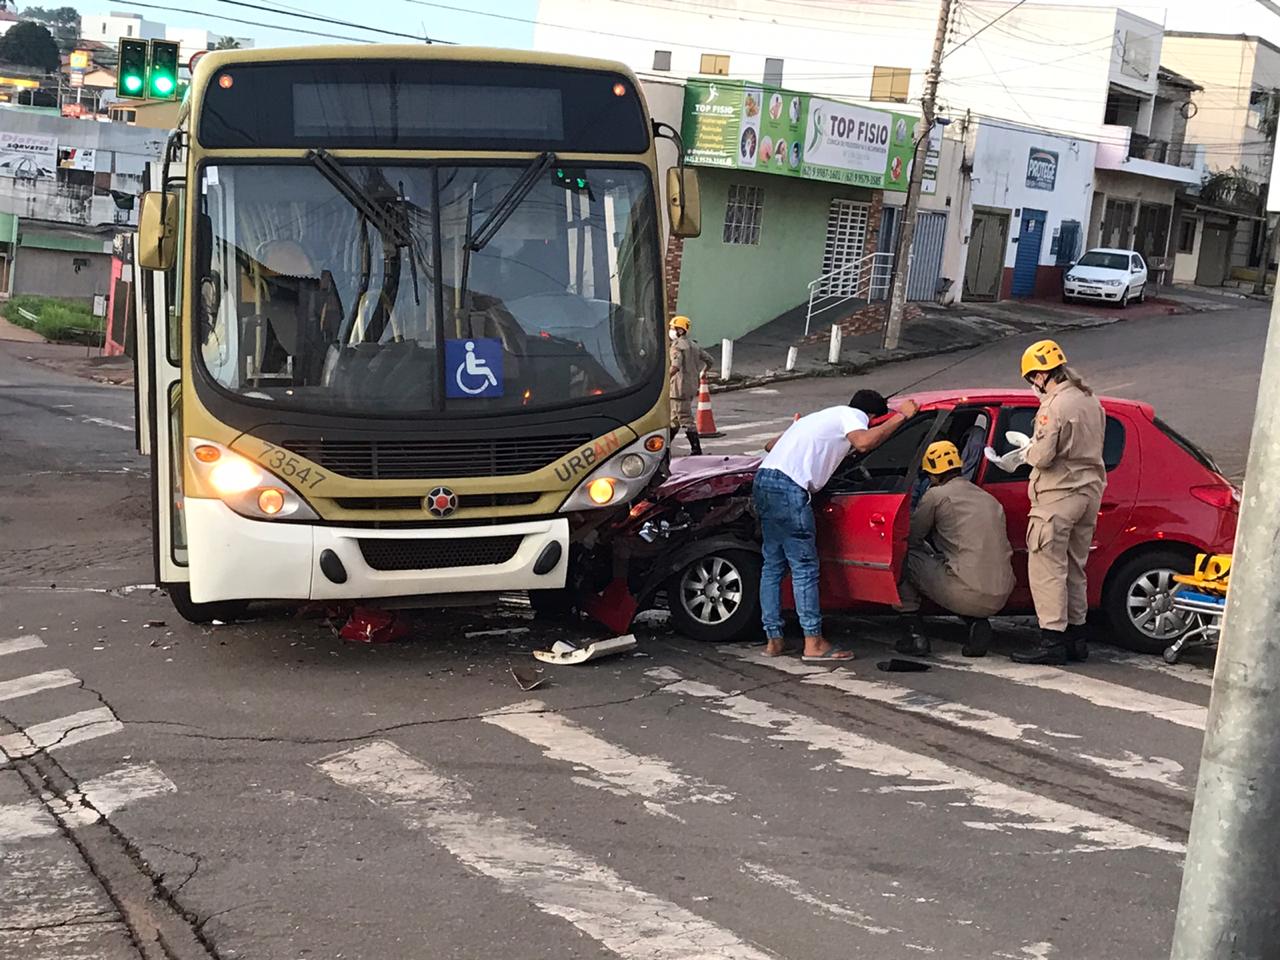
1023 420
1137 262
885 468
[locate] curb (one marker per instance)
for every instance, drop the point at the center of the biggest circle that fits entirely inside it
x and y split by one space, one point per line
1088 322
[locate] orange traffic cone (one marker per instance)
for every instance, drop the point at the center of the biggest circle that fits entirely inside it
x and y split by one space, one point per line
704 422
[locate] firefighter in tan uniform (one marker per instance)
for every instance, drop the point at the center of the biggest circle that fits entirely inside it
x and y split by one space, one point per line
958 556
688 362
1067 479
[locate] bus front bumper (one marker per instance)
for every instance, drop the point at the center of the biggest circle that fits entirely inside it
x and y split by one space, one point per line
234 558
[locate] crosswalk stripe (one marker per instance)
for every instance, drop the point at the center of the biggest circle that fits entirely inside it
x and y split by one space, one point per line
1131 766
751 425
634 924
759 871
35 683
1180 671
1092 832
97 798
1075 683
760 438
63 732
18 644
652 779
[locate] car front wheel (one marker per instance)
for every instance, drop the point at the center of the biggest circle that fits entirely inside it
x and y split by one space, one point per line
716 598
1139 601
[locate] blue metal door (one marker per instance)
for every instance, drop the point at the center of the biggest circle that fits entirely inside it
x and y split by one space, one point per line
1030 240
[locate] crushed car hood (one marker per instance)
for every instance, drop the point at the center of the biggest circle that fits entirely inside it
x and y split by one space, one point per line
697 478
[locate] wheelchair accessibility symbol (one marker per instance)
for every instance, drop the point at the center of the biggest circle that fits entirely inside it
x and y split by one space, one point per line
474 368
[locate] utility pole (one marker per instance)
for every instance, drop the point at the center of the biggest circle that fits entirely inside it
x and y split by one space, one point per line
906 233
1229 909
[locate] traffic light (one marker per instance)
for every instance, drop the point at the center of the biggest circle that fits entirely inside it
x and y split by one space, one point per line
162 77
131 66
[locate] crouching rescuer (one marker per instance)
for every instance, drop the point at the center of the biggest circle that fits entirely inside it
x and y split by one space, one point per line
1067 479
958 555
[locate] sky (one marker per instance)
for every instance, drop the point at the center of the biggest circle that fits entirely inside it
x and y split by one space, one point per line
506 23
462 21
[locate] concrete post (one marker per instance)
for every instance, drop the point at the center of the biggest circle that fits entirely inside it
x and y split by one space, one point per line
837 340
726 359
793 354
1230 904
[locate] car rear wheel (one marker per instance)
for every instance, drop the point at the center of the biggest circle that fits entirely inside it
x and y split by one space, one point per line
224 610
716 598
1139 601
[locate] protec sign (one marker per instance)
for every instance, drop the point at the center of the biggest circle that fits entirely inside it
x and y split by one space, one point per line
1042 169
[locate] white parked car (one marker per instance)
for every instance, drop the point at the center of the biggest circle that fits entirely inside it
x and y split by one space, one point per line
1116 276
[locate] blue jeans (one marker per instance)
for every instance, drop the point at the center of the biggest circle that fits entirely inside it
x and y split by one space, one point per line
786 521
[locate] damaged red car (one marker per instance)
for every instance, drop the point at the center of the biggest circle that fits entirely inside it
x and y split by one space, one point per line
694 541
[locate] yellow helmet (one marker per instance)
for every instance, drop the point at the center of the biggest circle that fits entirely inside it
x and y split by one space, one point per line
942 457
1044 355
680 323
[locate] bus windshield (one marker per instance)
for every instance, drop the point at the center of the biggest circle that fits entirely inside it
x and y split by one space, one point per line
377 300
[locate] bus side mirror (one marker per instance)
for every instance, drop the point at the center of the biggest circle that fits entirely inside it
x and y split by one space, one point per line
684 202
158 231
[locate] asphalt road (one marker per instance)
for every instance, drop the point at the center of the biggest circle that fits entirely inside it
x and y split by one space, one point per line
264 790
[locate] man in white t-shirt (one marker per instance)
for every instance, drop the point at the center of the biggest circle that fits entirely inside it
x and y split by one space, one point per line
798 464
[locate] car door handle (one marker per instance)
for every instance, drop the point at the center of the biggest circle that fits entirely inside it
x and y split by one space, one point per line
878 520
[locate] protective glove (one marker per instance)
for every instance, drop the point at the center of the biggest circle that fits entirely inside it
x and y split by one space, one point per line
1016 457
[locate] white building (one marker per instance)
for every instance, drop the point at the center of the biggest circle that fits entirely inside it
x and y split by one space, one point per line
193 40
1075 74
110 28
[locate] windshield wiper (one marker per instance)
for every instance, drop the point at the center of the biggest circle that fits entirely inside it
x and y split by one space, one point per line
390 226
503 209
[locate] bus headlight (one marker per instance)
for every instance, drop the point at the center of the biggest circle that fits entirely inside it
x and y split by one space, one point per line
620 478
246 487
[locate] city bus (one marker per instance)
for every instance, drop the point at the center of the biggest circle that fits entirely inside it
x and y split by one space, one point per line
401 322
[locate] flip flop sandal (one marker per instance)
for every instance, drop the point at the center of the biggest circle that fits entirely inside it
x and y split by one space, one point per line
834 655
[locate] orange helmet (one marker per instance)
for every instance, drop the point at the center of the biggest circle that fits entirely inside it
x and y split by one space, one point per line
942 457
1042 355
680 323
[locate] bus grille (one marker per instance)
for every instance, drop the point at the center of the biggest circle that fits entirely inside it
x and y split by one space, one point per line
437 554
435 459
469 501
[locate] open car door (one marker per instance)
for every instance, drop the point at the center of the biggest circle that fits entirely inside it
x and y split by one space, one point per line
158 384
864 514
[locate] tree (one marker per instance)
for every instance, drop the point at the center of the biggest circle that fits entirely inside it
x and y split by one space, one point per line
30 45
226 43
59 16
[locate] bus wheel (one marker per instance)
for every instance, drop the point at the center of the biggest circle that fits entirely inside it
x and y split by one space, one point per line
224 610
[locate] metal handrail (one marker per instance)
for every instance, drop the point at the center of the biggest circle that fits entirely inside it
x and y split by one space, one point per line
865 285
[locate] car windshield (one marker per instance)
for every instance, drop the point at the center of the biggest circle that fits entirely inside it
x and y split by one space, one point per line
359 288
1110 261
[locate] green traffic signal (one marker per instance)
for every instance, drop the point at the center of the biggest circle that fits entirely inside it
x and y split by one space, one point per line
162 76
132 69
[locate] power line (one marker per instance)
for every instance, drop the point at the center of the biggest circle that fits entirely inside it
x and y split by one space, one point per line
250 23
329 20
983 29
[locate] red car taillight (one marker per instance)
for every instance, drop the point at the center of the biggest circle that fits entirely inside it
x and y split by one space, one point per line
1222 496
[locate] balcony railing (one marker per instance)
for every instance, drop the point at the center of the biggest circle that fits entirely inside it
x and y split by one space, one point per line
1161 151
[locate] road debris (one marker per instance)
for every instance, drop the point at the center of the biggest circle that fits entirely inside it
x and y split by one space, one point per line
898 665
154 623
594 651
372 625
527 679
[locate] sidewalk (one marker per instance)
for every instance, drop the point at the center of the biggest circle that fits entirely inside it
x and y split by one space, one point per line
72 359
931 329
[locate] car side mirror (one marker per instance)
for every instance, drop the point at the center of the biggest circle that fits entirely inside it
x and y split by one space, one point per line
157 231
684 202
